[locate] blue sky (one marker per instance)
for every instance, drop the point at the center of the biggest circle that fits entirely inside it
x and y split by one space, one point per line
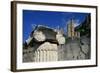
51 19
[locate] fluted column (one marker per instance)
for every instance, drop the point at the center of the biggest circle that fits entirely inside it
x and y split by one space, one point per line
35 56
52 55
38 56
48 55
56 55
41 56
44 55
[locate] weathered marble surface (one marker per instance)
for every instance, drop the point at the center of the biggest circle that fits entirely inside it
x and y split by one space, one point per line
45 44
76 49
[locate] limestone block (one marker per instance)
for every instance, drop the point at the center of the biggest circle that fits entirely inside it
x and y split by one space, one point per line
39 36
60 38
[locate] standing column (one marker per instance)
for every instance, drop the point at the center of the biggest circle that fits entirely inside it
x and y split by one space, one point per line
38 57
41 55
35 56
56 55
47 55
52 58
44 56
52 55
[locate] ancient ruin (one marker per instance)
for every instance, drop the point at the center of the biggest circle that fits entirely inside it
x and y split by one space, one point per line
47 44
